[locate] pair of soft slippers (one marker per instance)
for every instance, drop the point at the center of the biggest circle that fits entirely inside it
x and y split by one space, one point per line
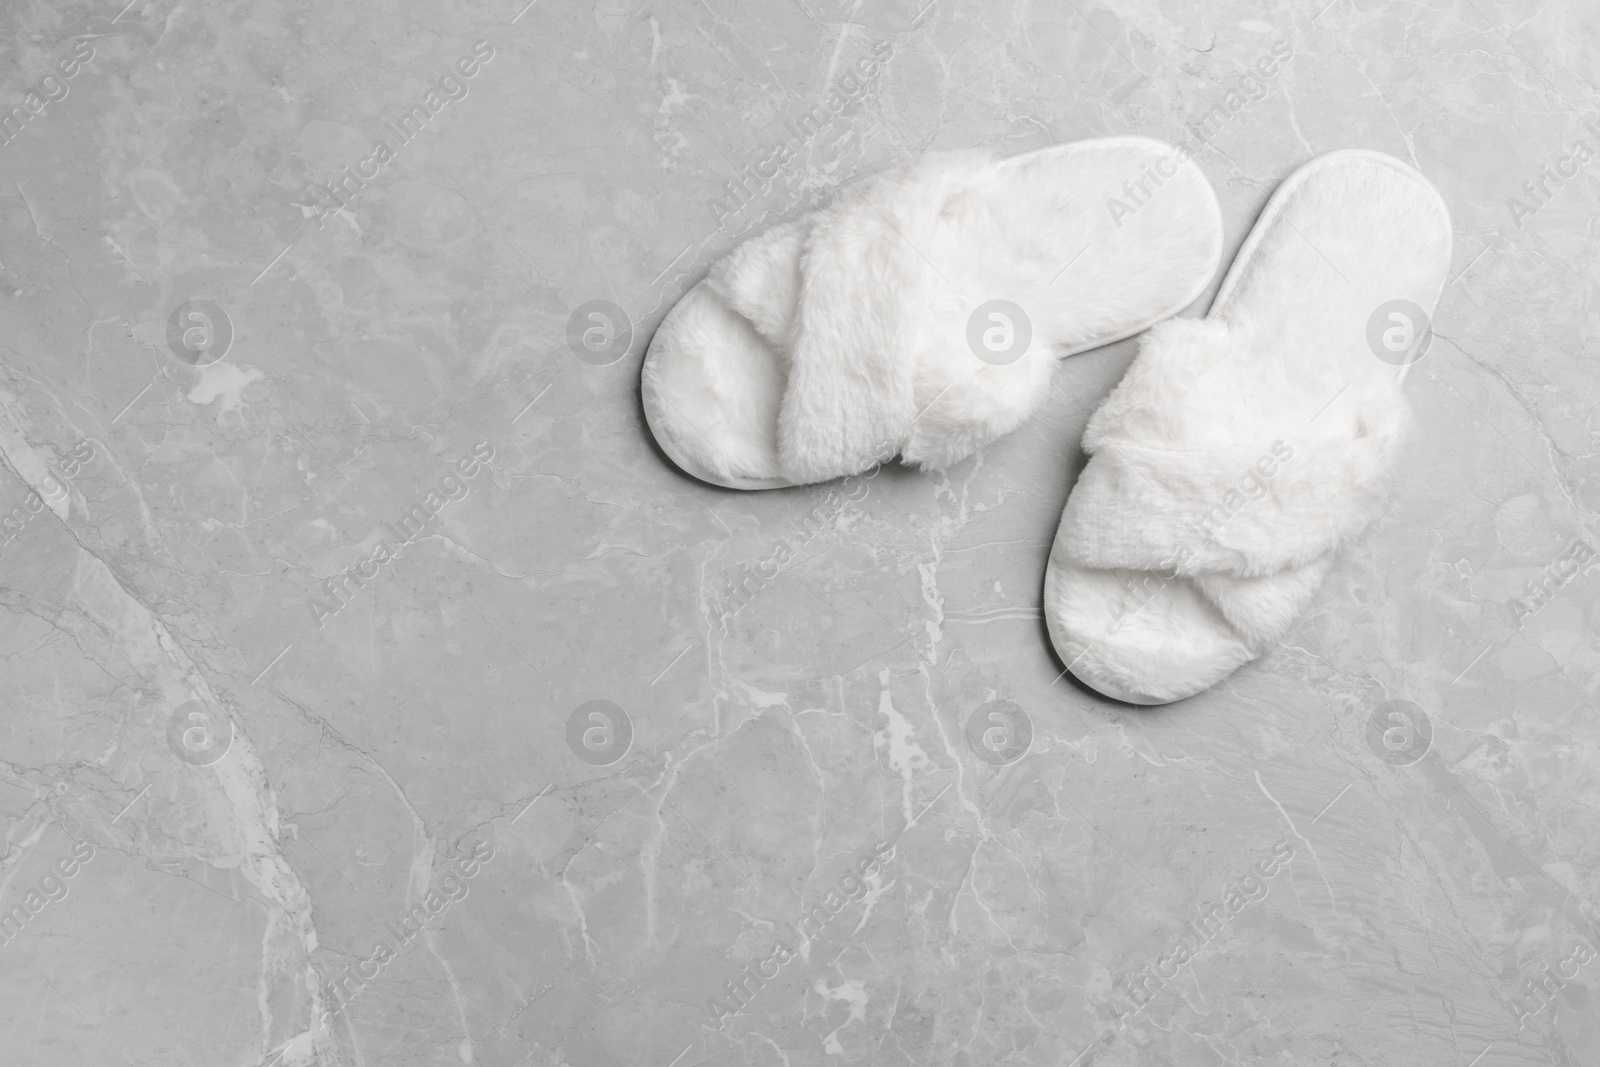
921 314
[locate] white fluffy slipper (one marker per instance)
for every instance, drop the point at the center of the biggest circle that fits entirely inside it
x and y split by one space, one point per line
1243 450
920 313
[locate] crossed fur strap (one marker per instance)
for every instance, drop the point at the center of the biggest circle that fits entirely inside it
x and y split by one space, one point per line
842 298
1242 485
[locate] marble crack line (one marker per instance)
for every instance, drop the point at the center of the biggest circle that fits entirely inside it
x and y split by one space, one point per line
14 442
1295 830
422 834
141 637
440 535
57 617
328 730
1553 451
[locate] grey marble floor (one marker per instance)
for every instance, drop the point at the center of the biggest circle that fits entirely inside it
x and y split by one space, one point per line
374 691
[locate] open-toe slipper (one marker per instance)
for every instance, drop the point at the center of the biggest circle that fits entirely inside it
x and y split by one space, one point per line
1242 451
921 312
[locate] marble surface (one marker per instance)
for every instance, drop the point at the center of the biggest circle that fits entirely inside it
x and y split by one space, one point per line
373 692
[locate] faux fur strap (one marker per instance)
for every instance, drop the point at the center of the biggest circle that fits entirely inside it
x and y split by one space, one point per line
1209 460
760 279
851 401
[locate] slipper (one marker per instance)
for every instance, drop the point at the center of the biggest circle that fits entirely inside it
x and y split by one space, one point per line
918 314
1242 451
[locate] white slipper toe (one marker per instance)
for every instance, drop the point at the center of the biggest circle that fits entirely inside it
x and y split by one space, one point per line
1134 637
730 439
